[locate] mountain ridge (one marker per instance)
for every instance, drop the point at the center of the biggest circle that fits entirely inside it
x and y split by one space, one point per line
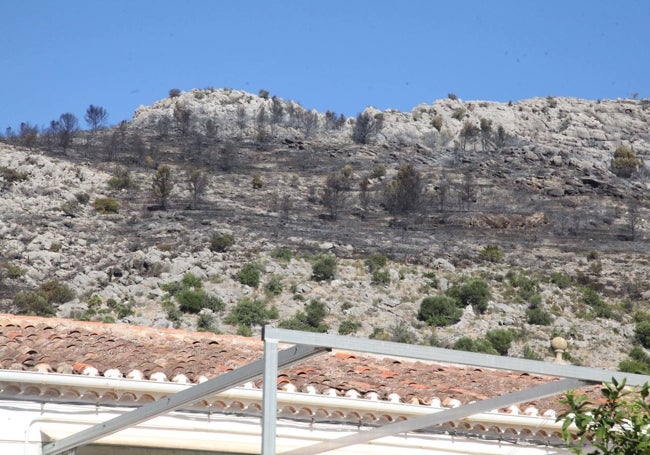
545 197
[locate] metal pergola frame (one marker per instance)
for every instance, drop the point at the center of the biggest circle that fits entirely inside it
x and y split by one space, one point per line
307 344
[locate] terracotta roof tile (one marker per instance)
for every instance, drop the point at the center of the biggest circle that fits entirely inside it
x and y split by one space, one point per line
78 347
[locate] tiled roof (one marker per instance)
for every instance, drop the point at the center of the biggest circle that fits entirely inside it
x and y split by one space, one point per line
120 350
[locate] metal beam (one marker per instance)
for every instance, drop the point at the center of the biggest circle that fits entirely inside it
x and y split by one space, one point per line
269 396
452 356
439 418
190 395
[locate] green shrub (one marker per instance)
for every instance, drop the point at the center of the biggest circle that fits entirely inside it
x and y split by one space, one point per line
257 182
282 254
221 242
378 171
10 175
536 315
530 354
380 277
459 113
121 179
375 262
561 280
642 333
500 339
440 311
591 298
625 162
401 332
378 333
433 279
13 271
324 268
474 292
55 292
526 287
311 320
437 122
191 281
492 253
249 275
106 205
190 300
348 326
205 322
249 312
470 345
70 208
637 362
82 198
274 286
33 304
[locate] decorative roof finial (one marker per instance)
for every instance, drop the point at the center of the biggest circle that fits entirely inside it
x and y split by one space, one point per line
559 345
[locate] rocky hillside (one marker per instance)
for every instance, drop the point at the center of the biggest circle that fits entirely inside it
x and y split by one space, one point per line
519 196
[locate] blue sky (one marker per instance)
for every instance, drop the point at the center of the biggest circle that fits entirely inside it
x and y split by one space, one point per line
342 55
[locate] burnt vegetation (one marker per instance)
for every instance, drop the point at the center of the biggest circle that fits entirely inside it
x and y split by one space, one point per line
478 187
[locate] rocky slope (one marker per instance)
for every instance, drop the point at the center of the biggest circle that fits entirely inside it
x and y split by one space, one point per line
545 197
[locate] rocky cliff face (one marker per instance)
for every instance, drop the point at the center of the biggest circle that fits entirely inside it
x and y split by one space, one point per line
542 193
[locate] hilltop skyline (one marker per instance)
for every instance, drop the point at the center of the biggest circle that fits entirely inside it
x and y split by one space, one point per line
335 56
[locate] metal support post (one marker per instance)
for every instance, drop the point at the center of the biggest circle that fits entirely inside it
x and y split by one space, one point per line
270 396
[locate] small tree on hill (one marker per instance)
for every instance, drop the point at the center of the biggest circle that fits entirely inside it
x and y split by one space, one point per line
625 162
162 186
27 135
96 117
65 128
366 127
334 194
469 133
404 193
197 183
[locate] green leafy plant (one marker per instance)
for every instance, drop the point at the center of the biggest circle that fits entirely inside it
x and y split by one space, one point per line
121 179
249 275
440 311
221 242
500 339
591 298
475 292
380 277
274 286
459 113
348 326
375 262
324 267
478 345
54 291
642 333
249 312
625 162
561 280
191 297
32 303
311 320
492 253
82 198
617 425
638 362
283 254
106 205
